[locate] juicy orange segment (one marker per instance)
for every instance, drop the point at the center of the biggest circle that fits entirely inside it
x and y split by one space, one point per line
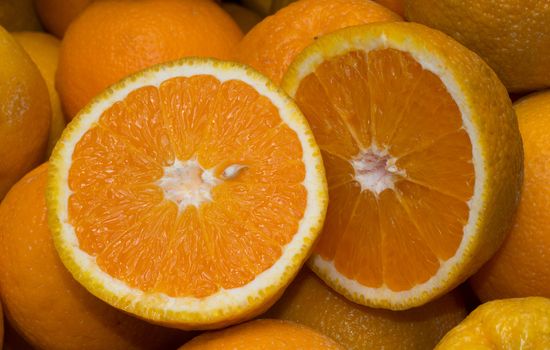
386 126
407 139
193 186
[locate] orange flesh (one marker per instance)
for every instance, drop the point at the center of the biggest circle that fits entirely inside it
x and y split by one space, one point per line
384 100
122 218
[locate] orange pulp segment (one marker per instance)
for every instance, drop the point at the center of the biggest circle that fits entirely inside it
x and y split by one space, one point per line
399 166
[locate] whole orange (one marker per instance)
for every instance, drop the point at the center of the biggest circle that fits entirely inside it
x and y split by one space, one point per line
112 39
521 266
263 335
310 302
25 113
56 15
41 299
273 44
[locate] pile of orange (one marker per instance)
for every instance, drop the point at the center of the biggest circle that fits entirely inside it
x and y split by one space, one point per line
274 174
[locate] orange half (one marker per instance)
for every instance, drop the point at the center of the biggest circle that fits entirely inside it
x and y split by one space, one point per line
423 159
189 194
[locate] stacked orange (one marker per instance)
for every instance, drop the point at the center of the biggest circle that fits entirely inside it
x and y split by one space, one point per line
189 191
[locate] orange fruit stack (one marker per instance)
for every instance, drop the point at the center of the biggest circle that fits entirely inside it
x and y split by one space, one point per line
272 45
113 39
41 299
202 152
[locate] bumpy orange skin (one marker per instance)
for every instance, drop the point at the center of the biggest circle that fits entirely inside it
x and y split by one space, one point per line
520 267
311 302
272 45
512 36
56 15
521 323
265 335
112 39
24 113
41 299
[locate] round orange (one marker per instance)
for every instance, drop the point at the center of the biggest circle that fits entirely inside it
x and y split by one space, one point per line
310 302
56 15
520 267
41 299
44 51
112 39
272 45
265 335
24 113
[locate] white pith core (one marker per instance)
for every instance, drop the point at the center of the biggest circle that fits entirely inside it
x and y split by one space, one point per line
375 170
188 183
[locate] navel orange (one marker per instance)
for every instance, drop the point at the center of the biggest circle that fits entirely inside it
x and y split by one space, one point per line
112 39
310 302
41 299
522 323
520 267
24 113
189 194
273 44
265 335
44 51
423 158
512 36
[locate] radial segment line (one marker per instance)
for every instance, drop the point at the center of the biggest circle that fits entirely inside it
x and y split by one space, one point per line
431 188
429 144
344 120
413 220
404 108
209 245
355 206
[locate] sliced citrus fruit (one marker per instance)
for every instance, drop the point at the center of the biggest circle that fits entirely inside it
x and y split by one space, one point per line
189 194
423 159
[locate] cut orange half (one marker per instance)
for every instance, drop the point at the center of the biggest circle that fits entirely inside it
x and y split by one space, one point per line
189 194
423 159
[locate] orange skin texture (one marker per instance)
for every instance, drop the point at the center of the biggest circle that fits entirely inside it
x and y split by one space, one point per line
265 335
112 39
272 45
41 299
25 113
310 302
56 15
512 36
520 267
